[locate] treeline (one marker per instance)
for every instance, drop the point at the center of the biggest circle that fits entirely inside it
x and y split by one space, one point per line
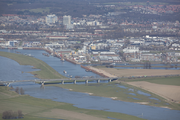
19 90
12 114
59 7
147 65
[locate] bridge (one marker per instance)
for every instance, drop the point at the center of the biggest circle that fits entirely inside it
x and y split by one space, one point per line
43 81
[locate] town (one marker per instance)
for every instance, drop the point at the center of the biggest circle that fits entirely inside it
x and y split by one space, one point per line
98 39
90 59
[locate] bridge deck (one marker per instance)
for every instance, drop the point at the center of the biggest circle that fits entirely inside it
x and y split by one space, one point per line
49 80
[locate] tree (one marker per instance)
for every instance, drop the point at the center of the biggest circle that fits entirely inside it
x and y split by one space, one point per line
17 90
22 91
12 115
12 87
20 115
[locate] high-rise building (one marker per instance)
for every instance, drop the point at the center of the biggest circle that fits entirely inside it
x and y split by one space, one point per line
67 20
51 19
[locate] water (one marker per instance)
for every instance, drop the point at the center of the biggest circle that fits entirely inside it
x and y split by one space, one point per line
11 70
80 100
143 93
84 100
113 118
134 98
130 89
154 98
56 63
121 86
132 94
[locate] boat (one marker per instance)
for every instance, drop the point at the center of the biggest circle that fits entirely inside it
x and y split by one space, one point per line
64 72
88 70
113 64
45 54
20 48
62 60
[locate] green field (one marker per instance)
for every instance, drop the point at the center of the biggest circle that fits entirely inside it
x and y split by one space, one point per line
45 72
159 80
112 90
34 108
40 10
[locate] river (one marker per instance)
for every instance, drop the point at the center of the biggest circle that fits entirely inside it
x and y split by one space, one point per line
80 100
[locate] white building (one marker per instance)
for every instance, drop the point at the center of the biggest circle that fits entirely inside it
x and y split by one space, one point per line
131 49
50 19
67 20
93 23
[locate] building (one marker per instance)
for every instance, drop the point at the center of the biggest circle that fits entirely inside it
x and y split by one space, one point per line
12 43
131 49
50 19
67 20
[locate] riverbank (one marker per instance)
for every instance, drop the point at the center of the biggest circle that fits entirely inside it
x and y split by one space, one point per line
44 109
121 91
167 87
44 72
98 71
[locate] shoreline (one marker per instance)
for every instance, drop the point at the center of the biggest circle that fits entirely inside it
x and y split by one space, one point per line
45 71
101 73
168 99
172 107
43 107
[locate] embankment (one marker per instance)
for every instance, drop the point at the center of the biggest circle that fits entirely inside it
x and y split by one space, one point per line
99 72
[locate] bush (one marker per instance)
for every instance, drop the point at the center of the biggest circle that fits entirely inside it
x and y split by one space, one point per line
12 115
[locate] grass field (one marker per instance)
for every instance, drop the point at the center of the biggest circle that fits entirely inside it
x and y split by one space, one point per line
139 72
45 72
112 90
43 109
167 87
40 10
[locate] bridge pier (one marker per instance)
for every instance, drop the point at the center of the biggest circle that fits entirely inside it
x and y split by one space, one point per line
62 82
109 80
98 81
42 83
86 81
7 84
74 81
